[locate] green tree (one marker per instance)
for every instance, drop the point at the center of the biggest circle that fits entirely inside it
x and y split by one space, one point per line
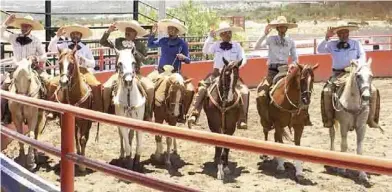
198 18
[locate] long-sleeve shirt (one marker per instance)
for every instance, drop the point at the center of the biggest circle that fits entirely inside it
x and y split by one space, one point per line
236 53
121 43
169 50
35 48
278 50
84 52
341 57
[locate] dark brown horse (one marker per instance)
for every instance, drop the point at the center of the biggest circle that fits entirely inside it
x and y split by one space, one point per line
74 91
170 94
289 97
222 109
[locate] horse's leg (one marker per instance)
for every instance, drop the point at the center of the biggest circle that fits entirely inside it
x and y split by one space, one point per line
121 143
32 126
361 130
158 141
136 161
169 141
175 146
125 135
332 137
84 135
279 138
298 130
18 122
343 146
219 162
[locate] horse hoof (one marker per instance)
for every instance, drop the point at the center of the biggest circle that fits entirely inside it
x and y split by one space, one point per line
243 126
191 121
220 174
82 168
299 178
363 177
263 157
341 171
226 170
31 166
168 165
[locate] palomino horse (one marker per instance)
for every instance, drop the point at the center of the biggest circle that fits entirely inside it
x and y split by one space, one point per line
289 97
169 96
352 108
129 102
26 82
222 110
74 91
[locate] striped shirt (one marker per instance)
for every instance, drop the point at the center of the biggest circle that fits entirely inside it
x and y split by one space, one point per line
35 48
279 49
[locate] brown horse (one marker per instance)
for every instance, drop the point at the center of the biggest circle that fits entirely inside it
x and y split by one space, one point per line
170 93
74 91
222 110
289 97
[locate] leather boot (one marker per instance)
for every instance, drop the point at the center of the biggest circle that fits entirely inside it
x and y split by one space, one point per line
328 118
197 106
374 107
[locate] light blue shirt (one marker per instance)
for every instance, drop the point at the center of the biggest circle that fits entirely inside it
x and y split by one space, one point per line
341 57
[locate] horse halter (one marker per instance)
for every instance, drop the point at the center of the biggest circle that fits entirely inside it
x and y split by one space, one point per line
71 68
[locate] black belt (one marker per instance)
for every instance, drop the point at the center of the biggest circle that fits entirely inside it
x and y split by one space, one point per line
338 70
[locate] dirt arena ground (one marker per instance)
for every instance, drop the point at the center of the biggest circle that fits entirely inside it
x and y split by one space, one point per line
249 172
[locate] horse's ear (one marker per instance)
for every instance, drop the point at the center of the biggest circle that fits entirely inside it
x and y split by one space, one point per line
225 61
187 81
314 67
369 62
353 62
239 63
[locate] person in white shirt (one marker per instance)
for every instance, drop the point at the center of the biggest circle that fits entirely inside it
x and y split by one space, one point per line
343 50
86 62
280 48
24 45
231 51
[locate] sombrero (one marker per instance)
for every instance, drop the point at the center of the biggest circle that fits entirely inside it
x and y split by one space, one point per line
122 25
164 23
282 21
85 31
345 25
27 20
223 27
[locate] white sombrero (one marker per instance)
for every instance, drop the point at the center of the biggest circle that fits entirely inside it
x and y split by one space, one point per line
164 23
27 20
85 31
282 21
223 27
122 25
345 25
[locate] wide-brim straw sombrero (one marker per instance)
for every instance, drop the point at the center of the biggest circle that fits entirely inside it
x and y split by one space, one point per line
27 20
122 25
164 23
224 27
85 31
341 25
282 21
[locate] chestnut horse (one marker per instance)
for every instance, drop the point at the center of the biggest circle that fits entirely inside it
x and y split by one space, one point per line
170 94
74 91
222 110
289 97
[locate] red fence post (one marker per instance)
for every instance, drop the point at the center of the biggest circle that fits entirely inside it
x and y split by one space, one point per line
67 170
101 61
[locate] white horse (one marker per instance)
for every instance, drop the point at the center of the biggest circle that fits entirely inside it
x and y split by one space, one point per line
352 108
129 102
26 82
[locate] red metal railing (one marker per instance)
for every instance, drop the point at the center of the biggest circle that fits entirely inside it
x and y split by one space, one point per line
345 160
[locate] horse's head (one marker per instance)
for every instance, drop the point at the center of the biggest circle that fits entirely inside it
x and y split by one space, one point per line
175 93
68 64
363 76
22 76
125 66
228 79
306 79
